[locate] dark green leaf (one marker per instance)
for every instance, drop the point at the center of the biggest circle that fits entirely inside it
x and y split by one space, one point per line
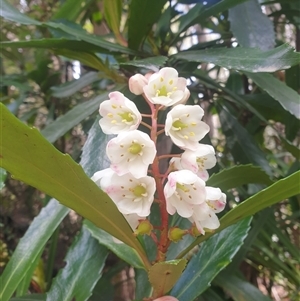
251 26
120 249
9 12
214 255
239 289
113 14
30 246
245 141
66 122
84 263
245 59
237 176
287 97
151 63
273 194
142 15
143 287
163 275
59 176
32 297
70 88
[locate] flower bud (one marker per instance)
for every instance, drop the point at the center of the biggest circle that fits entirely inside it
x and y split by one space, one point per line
137 83
166 298
175 234
144 228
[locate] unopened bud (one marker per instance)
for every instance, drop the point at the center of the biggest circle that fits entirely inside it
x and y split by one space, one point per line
166 298
144 228
137 83
175 234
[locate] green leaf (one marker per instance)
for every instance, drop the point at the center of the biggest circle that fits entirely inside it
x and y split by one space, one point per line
70 9
142 15
163 275
251 26
123 251
113 13
273 194
70 88
59 176
84 263
237 176
9 12
151 63
214 255
291 148
239 289
143 288
245 59
66 122
31 297
244 140
60 43
30 246
287 97
3 176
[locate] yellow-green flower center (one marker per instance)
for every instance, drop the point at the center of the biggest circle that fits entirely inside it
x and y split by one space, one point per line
139 190
126 116
179 125
182 187
135 148
162 91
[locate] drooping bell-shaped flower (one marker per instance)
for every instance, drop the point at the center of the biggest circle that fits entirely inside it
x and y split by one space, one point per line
137 83
199 160
183 191
119 114
184 126
166 88
131 152
204 215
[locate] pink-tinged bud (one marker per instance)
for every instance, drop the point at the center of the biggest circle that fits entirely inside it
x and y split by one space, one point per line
175 234
166 298
137 83
144 228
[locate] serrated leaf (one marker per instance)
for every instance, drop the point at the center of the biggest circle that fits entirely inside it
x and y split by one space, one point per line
59 176
237 176
273 194
287 97
84 263
251 26
214 255
70 88
142 15
163 275
245 59
123 251
30 246
151 63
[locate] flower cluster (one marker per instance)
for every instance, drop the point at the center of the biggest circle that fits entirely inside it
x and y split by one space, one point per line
133 180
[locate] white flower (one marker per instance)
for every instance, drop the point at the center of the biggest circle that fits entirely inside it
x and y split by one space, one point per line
184 126
133 220
137 83
131 195
204 215
182 191
166 88
119 114
199 160
131 152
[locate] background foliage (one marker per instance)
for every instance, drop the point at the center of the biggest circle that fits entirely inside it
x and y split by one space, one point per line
60 59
